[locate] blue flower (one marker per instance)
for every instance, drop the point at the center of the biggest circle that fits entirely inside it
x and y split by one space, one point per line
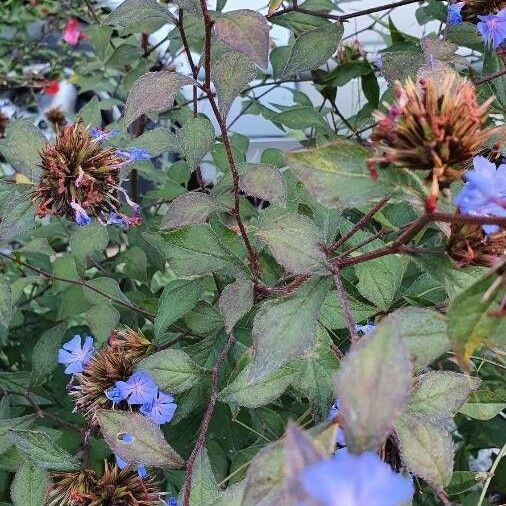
355 480
493 28
454 14
141 469
134 154
364 329
113 394
99 134
171 501
160 410
75 355
116 219
138 389
484 193
81 217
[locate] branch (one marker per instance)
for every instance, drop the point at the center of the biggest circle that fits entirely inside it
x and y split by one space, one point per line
80 282
204 426
490 77
343 17
345 305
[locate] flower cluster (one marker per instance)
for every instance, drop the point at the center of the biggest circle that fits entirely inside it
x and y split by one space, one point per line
94 372
80 178
115 486
432 127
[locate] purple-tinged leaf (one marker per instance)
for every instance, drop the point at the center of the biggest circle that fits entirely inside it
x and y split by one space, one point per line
236 300
196 139
265 182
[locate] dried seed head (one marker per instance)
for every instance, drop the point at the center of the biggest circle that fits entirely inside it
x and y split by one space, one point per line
71 489
123 487
57 118
352 51
80 177
470 245
474 8
433 127
113 363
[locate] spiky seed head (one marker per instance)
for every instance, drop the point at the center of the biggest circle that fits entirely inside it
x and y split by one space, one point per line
474 8
115 362
123 487
71 488
77 169
57 118
432 126
469 245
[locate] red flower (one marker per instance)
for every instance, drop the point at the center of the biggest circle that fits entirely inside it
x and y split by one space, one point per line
71 34
51 87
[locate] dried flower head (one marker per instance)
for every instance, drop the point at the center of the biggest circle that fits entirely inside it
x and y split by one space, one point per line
71 488
123 487
474 8
113 363
432 127
353 51
470 245
80 177
56 117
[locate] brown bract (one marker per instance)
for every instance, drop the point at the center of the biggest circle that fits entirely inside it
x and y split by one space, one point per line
474 8
432 126
116 487
469 245
77 169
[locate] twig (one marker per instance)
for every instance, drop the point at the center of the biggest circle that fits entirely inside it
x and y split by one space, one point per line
490 77
492 471
204 426
39 412
80 282
345 305
360 223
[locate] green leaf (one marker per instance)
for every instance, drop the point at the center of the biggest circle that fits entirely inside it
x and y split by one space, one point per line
90 113
484 405
247 32
157 141
315 373
380 279
172 370
423 332
332 316
45 353
102 320
29 485
137 13
196 139
440 394
285 329
401 65
236 300
100 38
253 394
87 240
426 450
313 48
64 267
189 209
6 308
335 174
204 486
469 323
178 297
21 422
148 447
373 386
21 147
300 118
108 286
40 449
232 495
231 73
192 6
296 243
195 250
16 210
153 92
263 181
